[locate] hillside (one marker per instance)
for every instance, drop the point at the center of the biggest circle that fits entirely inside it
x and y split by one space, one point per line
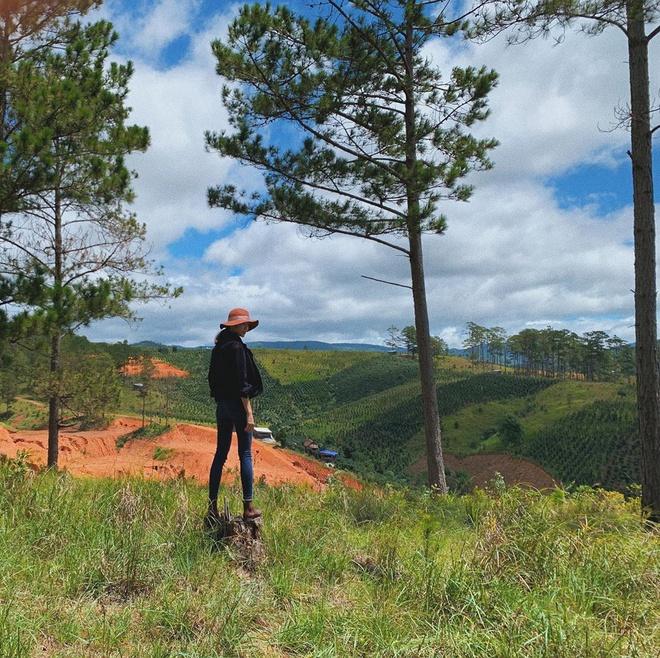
367 406
122 568
179 451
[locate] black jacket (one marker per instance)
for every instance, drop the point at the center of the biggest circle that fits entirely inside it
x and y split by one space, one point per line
233 373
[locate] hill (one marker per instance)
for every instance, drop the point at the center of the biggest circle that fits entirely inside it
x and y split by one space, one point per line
122 568
317 346
367 406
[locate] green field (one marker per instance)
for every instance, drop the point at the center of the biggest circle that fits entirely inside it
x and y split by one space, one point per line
474 427
102 568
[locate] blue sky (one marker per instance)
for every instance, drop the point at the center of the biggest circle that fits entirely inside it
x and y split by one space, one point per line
546 238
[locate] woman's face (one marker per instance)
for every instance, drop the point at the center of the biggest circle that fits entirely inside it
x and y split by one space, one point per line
241 329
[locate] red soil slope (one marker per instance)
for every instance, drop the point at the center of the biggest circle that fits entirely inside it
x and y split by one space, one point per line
190 451
133 368
482 468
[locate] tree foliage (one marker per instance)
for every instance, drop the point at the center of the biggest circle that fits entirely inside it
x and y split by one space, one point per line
26 27
70 249
511 433
409 335
345 86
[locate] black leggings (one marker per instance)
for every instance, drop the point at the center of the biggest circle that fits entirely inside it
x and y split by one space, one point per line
230 415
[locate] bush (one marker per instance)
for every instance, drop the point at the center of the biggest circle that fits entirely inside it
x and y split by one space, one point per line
511 433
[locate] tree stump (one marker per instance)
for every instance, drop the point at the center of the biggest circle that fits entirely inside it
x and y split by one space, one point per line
241 537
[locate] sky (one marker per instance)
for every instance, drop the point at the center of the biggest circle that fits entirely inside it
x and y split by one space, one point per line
546 238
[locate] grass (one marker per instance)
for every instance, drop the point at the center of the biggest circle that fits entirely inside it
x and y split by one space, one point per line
25 415
162 454
294 366
110 568
149 431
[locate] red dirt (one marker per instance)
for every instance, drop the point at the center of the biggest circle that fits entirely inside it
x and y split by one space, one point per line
94 453
482 468
162 370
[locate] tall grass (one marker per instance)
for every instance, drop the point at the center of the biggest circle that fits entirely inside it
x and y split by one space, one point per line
123 568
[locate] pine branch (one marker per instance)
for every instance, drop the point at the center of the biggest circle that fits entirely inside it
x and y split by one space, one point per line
329 231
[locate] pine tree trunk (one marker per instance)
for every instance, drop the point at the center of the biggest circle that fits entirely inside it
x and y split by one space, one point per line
54 403
55 339
5 64
432 434
435 462
645 269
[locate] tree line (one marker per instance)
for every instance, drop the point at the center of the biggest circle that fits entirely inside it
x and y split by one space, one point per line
594 355
405 340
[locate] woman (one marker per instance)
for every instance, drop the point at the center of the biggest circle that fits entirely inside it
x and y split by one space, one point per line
234 380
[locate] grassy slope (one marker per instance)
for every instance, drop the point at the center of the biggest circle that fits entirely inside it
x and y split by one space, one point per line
578 449
110 568
463 431
25 415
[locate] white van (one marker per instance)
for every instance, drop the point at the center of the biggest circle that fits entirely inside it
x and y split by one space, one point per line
264 434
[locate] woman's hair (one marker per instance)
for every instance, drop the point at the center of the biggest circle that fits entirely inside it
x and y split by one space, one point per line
217 336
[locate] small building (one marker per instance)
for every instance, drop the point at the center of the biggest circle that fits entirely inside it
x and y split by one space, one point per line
310 446
327 455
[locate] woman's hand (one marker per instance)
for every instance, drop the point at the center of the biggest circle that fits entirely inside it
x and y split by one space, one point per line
248 413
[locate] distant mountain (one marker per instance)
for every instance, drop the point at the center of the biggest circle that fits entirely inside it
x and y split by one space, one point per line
299 345
457 351
317 345
282 345
148 343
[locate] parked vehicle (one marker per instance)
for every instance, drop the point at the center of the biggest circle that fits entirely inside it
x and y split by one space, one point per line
264 434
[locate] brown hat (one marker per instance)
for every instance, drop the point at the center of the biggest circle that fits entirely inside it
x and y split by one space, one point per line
239 316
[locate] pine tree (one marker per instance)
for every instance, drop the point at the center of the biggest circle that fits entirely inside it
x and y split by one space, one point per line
394 338
24 26
637 21
71 232
383 136
409 334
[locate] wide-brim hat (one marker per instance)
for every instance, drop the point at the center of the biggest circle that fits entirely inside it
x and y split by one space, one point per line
239 316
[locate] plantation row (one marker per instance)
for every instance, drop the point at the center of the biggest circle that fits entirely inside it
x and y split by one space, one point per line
380 444
598 445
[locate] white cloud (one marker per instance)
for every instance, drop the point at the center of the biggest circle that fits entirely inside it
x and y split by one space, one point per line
146 27
554 106
573 269
167 20
511 257
178 104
